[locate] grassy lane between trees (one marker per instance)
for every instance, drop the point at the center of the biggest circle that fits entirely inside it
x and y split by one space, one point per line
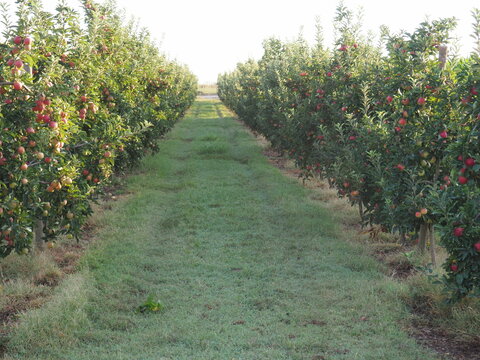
244 264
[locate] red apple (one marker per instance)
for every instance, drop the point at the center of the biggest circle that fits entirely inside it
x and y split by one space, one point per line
458 231
53 124
389 99
421 101
469 161
17 40
462 180
443 134
17 85
24 167
454 267
402 122
477 246
405 101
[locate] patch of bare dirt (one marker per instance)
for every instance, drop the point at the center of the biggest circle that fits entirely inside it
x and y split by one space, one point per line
446 345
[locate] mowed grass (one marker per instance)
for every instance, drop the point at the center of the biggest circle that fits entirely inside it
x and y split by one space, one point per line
245 265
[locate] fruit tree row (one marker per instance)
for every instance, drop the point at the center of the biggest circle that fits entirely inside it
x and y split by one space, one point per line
80 97
393 127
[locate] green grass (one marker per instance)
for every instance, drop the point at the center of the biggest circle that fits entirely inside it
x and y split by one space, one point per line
244 265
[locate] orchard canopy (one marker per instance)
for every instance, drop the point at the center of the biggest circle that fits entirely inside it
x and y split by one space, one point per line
81 97
393 127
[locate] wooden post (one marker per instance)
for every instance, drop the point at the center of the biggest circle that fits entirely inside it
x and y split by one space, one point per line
442 56
422 238
38 242
360 210
433 253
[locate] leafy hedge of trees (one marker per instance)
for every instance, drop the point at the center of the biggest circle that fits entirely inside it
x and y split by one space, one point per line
393 127
80 98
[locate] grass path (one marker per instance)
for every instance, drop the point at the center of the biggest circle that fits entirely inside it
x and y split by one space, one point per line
246 266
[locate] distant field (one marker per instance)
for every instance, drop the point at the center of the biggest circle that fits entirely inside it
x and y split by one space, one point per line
207 89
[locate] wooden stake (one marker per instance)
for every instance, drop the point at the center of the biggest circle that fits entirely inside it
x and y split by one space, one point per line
422 239
38 242
432 245
442 56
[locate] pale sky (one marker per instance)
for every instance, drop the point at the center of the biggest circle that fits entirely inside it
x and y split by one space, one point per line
212 36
